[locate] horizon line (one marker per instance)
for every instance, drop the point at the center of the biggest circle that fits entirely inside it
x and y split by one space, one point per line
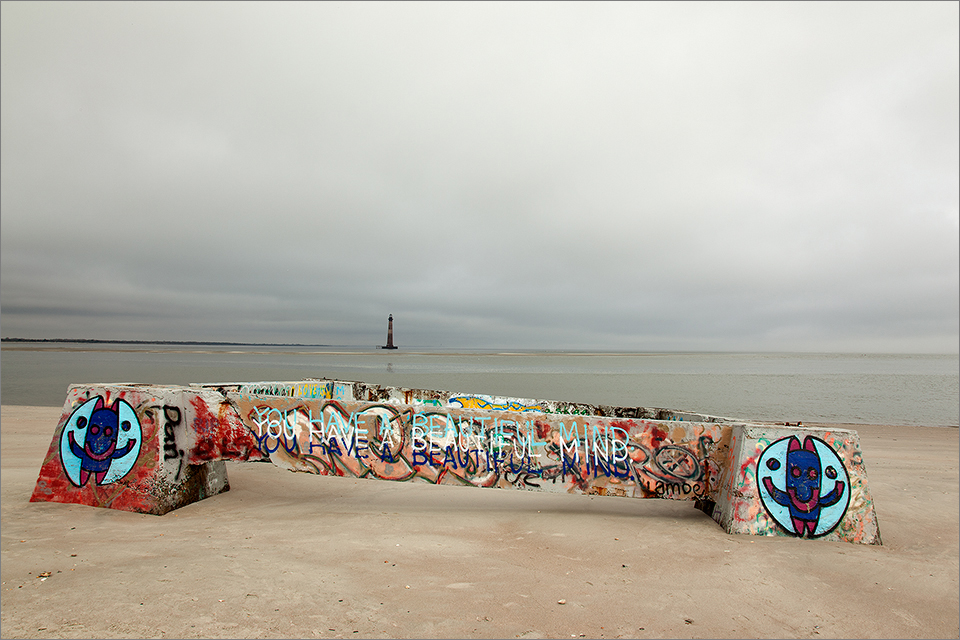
502 350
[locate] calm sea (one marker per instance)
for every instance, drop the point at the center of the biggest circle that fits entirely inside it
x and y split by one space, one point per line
854 388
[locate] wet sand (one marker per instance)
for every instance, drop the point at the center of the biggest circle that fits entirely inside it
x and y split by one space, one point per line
294 555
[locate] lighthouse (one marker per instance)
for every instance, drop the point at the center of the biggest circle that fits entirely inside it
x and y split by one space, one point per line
389 344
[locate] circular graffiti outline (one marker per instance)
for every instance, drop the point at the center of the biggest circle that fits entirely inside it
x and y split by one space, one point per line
100 442
813 515
669 458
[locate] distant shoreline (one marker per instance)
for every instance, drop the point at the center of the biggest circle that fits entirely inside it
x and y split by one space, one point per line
177 342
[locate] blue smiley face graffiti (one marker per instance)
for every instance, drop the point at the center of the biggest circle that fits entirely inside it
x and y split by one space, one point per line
100 441
805 489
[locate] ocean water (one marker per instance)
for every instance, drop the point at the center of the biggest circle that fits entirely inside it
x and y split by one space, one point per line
850 388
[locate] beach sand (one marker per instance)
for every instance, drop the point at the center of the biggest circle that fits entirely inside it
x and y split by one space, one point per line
293 555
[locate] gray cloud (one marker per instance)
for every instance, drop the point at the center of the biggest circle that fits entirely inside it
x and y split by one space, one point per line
621 176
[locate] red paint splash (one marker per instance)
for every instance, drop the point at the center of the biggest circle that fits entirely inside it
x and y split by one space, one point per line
543 429
220 437
657 436
625 425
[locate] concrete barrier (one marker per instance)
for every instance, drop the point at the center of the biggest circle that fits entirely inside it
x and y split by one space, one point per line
152 449
344 390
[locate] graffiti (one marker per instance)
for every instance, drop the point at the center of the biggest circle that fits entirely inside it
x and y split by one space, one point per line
321 390
482 402
447 445
170 449
675 471
815 492
100 441
326 389
757 479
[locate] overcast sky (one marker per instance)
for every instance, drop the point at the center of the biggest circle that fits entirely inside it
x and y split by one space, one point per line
676 176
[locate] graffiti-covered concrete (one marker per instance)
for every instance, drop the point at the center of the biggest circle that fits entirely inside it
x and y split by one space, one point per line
507 449
801 481
345 390
153 449
142 448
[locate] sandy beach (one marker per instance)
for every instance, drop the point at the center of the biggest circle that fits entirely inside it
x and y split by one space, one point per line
294 555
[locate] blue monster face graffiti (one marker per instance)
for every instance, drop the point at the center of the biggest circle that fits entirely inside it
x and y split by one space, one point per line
100 441
814 498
